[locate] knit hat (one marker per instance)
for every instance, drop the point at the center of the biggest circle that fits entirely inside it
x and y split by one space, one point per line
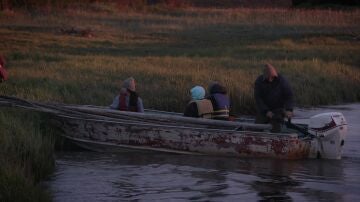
211 85
216 87
197 93
269 71
129 83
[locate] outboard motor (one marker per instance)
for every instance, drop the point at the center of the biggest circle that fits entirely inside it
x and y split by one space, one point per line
330 130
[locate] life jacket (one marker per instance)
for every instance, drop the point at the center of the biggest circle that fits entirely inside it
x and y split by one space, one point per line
131 105
221 106
205 108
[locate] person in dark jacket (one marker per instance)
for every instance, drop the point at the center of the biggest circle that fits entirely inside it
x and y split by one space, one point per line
274 98
220 101
128 99
198 107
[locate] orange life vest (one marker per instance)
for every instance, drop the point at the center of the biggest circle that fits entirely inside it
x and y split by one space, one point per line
205 108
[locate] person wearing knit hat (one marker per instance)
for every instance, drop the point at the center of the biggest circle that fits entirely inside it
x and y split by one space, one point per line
199 106
3 72
129 83
128 99
220 100
274 98
197 93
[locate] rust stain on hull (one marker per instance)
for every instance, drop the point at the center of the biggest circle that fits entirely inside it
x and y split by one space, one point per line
214 142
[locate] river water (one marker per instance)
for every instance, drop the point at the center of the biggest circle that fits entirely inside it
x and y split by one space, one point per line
91 176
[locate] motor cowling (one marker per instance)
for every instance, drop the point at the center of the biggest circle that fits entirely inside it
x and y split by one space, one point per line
330 131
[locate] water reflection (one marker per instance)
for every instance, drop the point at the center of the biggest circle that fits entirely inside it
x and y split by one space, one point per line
139 176
274 188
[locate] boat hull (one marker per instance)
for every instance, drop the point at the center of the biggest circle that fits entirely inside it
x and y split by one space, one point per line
115 136
100 128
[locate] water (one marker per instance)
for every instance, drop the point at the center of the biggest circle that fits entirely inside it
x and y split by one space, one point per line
90 176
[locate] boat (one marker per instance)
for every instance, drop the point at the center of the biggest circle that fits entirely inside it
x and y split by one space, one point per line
106 130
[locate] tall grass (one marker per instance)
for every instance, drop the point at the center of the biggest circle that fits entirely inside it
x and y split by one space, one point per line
26 156
168 52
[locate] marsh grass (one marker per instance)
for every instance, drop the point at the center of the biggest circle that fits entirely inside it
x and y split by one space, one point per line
26 155
168 52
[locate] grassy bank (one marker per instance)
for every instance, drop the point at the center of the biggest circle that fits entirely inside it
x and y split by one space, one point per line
81 56
26 156
168 52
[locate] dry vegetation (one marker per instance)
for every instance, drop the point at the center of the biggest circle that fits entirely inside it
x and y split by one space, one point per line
168 52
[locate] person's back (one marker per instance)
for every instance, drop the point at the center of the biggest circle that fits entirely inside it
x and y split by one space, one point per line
274 98
220 101
199 107
128 99
274 94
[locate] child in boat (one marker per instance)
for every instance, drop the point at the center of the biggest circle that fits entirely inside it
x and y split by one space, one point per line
220 101
3 72
199 106
128 99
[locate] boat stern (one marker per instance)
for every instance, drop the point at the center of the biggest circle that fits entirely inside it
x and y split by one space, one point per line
330 131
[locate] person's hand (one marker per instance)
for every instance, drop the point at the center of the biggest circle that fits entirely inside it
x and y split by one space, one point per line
269 114
288 114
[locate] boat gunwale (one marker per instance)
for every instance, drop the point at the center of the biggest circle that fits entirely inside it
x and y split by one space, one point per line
90 110
167 117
